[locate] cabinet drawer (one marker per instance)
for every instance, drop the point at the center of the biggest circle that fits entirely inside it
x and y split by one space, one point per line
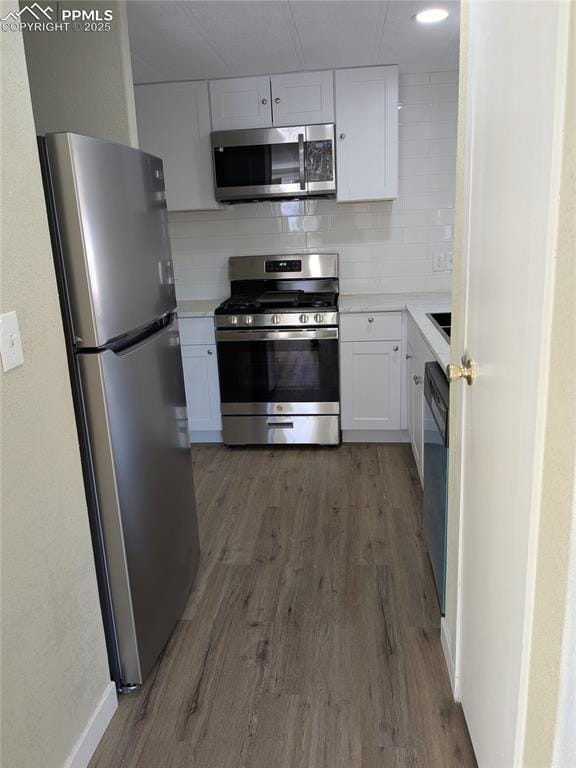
371 326
197 330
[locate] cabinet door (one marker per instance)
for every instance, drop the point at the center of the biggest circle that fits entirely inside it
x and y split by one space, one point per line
415 375
242 102
174 124
303 98
371 373
202 387
367 130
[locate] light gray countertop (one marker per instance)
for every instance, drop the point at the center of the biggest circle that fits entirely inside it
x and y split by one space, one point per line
197 307
417 304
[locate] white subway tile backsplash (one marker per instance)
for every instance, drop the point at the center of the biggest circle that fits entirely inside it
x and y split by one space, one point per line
444 111
445 182
414 113
429 94
384 246
420 148
422 78
444 77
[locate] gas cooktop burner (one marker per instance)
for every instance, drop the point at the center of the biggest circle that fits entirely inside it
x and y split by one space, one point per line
277 300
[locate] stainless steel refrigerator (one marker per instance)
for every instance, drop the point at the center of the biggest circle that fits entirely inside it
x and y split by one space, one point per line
107 212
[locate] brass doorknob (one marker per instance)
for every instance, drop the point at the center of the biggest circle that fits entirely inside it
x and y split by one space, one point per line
465 371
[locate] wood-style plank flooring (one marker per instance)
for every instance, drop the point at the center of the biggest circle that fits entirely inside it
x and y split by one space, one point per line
311 639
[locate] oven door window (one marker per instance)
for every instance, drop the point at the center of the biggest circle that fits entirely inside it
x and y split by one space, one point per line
279 371
257 165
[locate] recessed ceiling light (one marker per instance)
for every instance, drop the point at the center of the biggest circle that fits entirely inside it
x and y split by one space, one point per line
431 15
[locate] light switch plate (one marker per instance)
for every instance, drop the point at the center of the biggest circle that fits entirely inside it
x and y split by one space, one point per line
10 342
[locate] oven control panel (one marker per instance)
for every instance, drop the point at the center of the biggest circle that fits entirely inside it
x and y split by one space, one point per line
277 319
289 265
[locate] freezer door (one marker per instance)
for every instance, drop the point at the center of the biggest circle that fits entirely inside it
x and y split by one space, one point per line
113 233
136 414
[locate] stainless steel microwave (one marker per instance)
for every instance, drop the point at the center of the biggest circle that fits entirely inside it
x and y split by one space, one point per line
264 163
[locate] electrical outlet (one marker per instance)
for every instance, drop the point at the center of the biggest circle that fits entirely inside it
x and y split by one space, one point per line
10 342
442 261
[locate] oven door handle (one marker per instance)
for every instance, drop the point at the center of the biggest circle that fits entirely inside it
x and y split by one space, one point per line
291 335
301 161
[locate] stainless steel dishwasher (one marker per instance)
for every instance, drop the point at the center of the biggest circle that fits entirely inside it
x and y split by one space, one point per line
436 399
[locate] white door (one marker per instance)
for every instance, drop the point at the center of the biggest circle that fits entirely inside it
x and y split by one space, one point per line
202 388
242 102
302 98
174 125
513 125
371 373
367 133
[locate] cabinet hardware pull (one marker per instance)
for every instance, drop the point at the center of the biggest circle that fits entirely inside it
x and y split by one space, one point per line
264 101
395 348
342 136
276 100
408 357
417 380
370 319
210 352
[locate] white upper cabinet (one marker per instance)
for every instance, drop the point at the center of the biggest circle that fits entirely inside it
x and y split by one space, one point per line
174 124
299 98
367 131
243 102
303 98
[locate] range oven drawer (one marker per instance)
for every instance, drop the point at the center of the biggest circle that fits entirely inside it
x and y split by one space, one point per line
281 430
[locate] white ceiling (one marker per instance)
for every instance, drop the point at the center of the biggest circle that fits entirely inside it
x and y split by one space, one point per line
190 40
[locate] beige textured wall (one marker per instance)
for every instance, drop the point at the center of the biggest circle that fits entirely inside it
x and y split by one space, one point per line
82 81
53 657
559 491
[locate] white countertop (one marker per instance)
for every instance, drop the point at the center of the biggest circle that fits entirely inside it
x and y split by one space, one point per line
197 307
417 304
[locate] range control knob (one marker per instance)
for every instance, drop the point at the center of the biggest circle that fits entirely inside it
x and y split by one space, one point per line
248 319
276 319
304 318
318 317
233 320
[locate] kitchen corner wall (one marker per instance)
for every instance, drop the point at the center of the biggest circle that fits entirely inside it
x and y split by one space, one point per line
404 245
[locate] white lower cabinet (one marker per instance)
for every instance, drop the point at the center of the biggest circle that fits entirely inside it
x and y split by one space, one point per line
415 400
371 371
418 353
371 384
200 365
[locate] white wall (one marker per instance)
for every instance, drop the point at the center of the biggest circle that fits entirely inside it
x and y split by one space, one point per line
384 246
54 666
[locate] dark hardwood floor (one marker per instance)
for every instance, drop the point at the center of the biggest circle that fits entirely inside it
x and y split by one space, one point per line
311 639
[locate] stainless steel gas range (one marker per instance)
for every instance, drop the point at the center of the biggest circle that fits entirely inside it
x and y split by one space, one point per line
277 344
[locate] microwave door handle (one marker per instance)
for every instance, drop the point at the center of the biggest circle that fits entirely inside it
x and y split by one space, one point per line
301 161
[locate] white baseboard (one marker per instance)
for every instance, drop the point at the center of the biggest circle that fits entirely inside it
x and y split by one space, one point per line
449 659
91 735
375 436
198 436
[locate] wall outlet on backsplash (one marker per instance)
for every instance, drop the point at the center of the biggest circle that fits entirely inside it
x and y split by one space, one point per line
442 261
